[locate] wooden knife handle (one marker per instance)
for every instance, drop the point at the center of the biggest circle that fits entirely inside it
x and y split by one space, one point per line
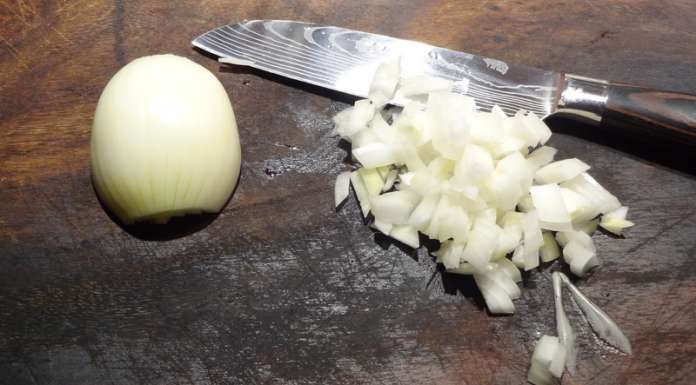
658 119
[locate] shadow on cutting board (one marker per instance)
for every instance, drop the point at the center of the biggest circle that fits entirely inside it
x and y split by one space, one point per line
675 158
176 227
452 284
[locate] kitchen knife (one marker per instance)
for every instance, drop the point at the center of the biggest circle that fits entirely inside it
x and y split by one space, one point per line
345 60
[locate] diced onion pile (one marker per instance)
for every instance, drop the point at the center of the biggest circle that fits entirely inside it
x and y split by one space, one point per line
481 183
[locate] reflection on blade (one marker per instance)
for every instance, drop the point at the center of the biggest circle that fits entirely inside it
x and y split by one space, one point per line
345 60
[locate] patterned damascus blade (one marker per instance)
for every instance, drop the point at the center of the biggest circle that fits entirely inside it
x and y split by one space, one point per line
345 60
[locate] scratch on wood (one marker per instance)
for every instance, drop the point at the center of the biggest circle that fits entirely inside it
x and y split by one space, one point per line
61 35
23 11
71 4
662 231
15 53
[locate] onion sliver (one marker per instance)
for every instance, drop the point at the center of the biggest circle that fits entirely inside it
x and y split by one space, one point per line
496 298
450 254
510 269
601 323
475 165
542 156
385 81
566 336
615 221
422 85
423 213
483 240
502 279
548 361
597 198
360 192
446 119
560 171
342 188
405 234
375 155
541 130
580 257
383 227
532 240
549 249
550 208
394 207
356 119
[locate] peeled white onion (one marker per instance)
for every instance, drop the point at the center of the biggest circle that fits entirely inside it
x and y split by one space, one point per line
164 141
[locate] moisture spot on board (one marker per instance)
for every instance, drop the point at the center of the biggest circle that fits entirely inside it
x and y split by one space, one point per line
271 173
285 145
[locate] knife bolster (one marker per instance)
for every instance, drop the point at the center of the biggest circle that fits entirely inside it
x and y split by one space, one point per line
583 98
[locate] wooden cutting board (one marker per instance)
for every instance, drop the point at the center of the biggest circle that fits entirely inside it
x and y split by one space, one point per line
280 289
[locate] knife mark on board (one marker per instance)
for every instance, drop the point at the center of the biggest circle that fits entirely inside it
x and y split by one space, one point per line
496 65
119 49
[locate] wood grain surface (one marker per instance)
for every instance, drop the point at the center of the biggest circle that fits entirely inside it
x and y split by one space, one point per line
280 289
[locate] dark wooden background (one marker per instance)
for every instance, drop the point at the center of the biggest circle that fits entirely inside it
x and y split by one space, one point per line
279 289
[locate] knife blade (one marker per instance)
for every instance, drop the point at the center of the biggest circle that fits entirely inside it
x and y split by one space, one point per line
345 60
